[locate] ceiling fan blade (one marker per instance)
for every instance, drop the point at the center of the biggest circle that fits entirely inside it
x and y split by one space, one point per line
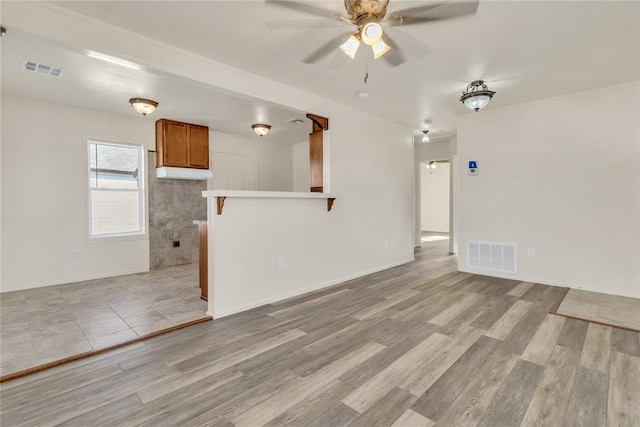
326 48
305 7
409 44
303 24
431 13
338 60
394 56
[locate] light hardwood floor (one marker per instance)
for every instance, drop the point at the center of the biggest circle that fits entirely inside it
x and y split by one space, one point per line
417 345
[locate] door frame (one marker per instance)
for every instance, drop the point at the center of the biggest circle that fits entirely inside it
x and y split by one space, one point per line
453 218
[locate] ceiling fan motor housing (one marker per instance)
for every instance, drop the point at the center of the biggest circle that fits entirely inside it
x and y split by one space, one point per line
361 12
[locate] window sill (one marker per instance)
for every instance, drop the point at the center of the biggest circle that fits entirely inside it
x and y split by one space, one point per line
112 238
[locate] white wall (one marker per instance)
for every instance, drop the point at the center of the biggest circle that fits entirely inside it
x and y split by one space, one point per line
274 160
561 176
301 162
434 190
45 195
373 205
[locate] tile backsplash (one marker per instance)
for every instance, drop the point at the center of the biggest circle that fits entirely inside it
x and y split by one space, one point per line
173 205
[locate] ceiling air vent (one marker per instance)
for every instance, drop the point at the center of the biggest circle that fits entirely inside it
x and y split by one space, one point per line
40 68
295 121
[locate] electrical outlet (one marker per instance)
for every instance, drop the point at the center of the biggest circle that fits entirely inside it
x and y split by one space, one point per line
176 243
385 244
75 253
280 263
531 252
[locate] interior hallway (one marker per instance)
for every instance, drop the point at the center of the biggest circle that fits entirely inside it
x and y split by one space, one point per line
43 325
433 236
413 345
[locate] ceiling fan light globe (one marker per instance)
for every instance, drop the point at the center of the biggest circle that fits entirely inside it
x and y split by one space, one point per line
379 49
477 102
371 33
350 47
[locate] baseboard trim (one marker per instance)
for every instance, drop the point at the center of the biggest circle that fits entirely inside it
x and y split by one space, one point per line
301 292
69 359
540 281
79 279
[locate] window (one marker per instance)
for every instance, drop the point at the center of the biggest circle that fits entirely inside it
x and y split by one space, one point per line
116 189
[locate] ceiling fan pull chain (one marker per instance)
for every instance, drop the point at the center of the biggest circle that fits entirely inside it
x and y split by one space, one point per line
366 71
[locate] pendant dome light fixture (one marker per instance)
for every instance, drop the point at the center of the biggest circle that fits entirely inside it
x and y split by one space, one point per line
425 133
261 129
477 95
425 136
143 106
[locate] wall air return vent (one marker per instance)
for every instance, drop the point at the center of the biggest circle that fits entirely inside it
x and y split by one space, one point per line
40 68
492 256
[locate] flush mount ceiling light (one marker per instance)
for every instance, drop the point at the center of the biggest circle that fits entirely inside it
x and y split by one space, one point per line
260 129
477 95
425 136
143 106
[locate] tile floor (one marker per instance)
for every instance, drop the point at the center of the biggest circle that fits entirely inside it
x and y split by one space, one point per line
42 325
610 309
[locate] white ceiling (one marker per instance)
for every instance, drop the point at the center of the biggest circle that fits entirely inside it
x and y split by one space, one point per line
95 84
525 50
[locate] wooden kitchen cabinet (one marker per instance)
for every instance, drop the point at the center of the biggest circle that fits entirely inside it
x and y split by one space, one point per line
182 145
315 159
316 168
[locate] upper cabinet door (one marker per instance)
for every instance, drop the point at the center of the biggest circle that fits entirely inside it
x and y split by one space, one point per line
174 144
198 146
182 145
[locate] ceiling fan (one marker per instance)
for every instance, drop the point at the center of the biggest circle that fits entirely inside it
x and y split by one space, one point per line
369 17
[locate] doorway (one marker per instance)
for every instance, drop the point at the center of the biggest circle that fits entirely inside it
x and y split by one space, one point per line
434 202
233 171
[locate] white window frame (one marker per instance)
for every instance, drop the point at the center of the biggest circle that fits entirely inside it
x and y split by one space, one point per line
141 193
